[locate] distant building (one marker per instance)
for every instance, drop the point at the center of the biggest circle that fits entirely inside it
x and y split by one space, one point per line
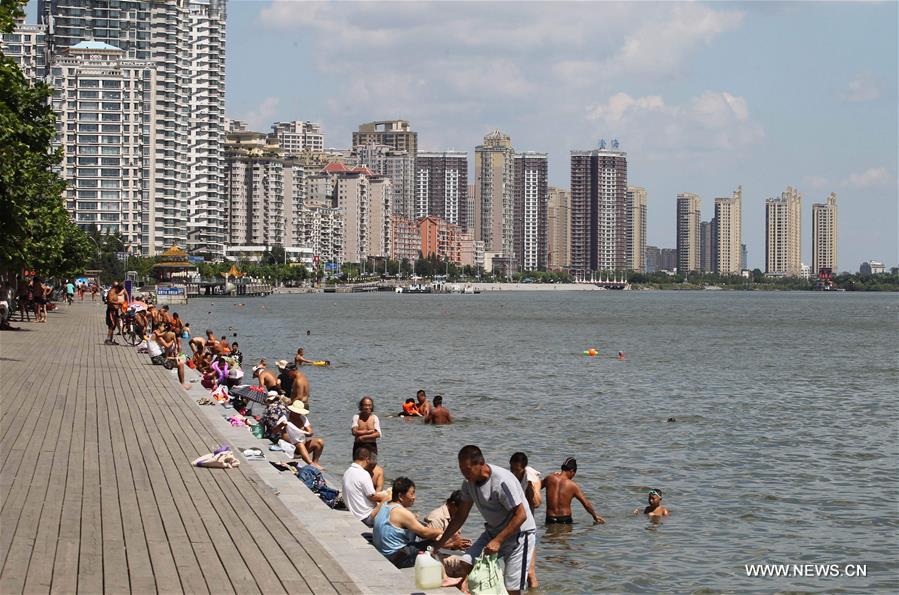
27 47
824 235
398 167
783 234
872 267
598 209
441 186
744 257
558 229
297 137
635 224
653 257
440 238
406 238
396 134
110 182
321 229
729 232
805 271
493 171
254 188
688 232
668 259
705 247
365 200
471 251
530 196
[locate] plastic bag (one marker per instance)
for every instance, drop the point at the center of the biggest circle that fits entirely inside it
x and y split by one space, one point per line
486 577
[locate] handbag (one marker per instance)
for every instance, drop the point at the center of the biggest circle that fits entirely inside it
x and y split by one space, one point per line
486 577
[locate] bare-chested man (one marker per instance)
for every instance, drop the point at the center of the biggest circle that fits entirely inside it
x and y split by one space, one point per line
438 415
294 383
423 406
560 491
115 297
655 507
267 379
366 430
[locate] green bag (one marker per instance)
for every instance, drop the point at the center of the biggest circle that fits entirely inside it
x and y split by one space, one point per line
486 577
257 431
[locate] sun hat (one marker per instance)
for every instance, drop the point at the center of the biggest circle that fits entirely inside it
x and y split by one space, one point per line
257 368
272 396
298 407
281 363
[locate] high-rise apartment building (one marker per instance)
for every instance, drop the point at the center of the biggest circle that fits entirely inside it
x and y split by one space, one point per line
598 209
635 225
824 235
365 200
494 171
105 107
393 133
729 233
705 247
27 47
321 229
529 197
558 229
783 234
254 186
297 137
206 227
189 101
395 165
440 238
667 259
441 186
653 255
688 237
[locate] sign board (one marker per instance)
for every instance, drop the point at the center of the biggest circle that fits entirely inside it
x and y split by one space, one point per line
123 256
170 291
129 286
332 266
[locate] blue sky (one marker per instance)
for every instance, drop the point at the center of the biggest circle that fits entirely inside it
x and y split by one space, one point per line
702 96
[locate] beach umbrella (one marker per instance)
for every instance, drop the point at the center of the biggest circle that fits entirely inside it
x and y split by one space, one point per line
250 392
138 306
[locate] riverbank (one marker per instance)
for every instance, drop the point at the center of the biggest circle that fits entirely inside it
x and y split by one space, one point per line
99 494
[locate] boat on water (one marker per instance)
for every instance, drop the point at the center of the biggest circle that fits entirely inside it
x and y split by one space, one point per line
415 288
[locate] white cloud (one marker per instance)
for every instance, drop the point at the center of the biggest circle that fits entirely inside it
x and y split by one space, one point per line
861 89
261 117
545 60
817 182
873 176
710 122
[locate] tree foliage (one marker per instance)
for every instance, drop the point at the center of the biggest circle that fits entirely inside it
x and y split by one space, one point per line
35 230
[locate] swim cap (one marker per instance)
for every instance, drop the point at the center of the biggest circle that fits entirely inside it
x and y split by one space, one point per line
655 492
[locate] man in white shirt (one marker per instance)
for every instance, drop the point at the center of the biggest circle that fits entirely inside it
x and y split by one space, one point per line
358 490
531 484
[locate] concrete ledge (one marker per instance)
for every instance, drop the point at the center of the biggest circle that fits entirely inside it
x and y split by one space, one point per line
336 531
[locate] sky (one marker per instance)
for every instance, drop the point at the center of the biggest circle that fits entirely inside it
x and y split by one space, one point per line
702 96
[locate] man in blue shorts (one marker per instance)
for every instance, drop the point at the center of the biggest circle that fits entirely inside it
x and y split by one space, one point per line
508 521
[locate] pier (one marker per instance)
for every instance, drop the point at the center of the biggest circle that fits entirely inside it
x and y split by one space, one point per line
99 495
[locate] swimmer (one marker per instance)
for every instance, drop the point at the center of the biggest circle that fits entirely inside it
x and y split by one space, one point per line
410 409
655 507
423 406
560 491
621 355
299 359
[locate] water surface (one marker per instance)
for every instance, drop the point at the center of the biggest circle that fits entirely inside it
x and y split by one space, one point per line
784 449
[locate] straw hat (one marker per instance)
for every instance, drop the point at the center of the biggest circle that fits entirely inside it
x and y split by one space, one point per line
281 363
298 407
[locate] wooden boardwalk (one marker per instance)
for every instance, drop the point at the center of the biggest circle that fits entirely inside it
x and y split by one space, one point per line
97 490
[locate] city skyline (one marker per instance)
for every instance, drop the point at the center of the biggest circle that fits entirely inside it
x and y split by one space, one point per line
673 82
816 124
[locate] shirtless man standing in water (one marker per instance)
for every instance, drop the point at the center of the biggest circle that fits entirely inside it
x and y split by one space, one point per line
560 491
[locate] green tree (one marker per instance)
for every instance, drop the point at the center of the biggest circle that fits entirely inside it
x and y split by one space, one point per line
35 230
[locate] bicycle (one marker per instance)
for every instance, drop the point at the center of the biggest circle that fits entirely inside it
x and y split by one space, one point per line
131 332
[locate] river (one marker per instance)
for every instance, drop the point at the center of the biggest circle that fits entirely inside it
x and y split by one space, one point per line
784 448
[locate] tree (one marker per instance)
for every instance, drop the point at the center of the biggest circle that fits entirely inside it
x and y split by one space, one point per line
35 230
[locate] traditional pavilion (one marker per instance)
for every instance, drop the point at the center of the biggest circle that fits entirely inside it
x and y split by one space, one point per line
174 265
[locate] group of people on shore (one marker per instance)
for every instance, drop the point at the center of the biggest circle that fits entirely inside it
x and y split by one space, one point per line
29 295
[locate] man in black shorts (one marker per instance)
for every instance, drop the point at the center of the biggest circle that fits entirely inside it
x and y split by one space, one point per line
560 491
114 297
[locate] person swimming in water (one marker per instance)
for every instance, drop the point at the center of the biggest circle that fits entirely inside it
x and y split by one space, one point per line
410 409
655 507
561 489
